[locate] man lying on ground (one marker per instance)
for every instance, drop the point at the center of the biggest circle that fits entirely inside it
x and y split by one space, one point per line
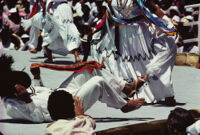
23 101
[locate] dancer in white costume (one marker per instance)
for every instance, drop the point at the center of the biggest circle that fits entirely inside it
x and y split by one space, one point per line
134 50
59 33
30 103
34 31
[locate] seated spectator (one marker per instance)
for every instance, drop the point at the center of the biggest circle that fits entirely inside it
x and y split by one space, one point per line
69 119
11 29
180 122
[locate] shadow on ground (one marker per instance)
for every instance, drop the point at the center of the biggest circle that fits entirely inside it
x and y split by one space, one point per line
109 119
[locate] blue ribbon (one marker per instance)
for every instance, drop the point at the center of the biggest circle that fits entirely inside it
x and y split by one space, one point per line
153 19
119 21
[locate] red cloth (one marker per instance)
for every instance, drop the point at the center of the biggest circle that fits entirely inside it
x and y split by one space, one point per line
89 65
101 23
35 8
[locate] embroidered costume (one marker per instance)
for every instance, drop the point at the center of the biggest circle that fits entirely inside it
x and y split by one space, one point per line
76 126
58 29
89 86
133 46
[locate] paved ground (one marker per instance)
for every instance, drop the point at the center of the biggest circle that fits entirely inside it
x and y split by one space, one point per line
186 84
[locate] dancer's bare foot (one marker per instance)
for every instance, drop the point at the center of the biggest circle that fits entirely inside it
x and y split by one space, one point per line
131 88
32 50
48 60
76 55
133 105
77 59
46 56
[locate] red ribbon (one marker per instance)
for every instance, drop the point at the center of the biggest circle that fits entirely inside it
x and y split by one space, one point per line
89 65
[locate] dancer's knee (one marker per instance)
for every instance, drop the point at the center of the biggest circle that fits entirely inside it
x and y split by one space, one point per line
98 79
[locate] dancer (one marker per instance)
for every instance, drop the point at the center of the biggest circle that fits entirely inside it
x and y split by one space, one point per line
59 33
133 46
35 7
30 103
69 119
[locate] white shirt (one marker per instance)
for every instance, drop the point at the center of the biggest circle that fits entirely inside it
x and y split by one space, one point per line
80 125
78 9
194 129
35 111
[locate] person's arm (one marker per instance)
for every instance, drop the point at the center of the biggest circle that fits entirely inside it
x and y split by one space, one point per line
36 76
153 7
18 109
78 107
22 94
22 107
79 110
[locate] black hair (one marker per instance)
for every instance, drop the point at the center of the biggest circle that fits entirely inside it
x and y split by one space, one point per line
173 13
11 3
6 63
10 79
61 105
178 120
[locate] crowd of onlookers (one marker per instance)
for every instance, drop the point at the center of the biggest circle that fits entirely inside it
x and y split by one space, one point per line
12 13
180 16
86 14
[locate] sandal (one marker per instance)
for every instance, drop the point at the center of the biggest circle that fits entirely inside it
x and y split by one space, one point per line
138 83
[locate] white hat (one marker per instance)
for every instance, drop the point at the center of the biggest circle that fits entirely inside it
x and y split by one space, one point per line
189 17
176 18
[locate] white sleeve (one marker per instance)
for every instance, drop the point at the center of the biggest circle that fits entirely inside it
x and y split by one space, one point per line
20 110
78 9
194 129
92 121
38 82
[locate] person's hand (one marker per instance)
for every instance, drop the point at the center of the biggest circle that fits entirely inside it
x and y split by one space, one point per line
79 110
22 94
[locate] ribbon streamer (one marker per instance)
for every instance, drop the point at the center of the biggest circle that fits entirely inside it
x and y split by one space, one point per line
154 20
89 65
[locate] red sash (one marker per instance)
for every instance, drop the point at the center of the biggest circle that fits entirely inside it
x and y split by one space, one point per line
78 67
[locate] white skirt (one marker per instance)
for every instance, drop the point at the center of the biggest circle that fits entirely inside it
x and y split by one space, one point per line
58 30
144 49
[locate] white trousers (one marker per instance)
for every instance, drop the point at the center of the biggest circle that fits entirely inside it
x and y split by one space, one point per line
33 37
98 85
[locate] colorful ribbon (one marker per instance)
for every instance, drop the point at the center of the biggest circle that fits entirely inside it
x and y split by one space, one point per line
35 8
154 20
101 23
119 21
146 13
89 65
